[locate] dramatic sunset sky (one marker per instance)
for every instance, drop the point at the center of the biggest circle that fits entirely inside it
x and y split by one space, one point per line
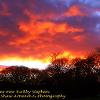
32 30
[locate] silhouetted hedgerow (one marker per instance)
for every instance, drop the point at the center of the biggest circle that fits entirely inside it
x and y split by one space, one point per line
79 78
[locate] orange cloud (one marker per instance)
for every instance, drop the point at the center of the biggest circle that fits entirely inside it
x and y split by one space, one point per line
33 29
74 11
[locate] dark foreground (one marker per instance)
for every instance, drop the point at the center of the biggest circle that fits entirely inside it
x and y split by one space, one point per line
81 82
70 84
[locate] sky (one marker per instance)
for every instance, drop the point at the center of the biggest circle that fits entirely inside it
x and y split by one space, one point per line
36 29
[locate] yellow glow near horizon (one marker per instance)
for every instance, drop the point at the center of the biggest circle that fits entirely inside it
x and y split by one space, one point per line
32 62
24 62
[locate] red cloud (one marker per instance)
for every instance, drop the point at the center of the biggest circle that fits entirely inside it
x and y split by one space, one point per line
4 11
79 38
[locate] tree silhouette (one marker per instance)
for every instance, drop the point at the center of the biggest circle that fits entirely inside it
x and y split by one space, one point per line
58 64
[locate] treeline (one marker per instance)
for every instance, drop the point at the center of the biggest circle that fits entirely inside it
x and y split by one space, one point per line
79 77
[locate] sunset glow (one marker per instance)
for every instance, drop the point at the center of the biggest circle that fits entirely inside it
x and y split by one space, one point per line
33 63
24 62
32 30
